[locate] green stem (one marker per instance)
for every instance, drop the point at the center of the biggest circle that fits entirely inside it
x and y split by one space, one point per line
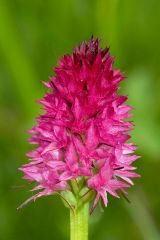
79 223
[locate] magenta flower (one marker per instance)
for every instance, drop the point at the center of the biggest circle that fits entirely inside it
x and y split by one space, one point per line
82 138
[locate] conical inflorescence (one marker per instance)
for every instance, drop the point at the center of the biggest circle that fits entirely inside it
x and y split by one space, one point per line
83 132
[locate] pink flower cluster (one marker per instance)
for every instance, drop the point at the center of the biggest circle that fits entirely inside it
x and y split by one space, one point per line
82 132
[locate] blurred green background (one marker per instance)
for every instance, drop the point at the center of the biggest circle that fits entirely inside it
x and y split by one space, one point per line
33 35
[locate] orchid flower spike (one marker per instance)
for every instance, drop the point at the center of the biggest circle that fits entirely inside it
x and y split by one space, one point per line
82 150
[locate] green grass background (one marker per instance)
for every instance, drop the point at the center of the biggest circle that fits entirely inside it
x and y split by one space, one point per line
33 35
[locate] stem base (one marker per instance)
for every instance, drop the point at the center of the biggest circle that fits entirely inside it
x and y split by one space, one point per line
79 223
